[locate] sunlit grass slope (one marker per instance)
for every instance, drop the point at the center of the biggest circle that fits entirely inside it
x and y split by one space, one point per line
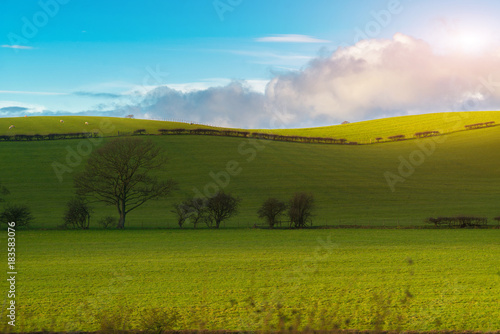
108 126
368 131
460 174
363 132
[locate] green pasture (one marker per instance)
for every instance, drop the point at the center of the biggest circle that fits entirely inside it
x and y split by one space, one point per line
366 132
399 183
362 132
106 126
417 280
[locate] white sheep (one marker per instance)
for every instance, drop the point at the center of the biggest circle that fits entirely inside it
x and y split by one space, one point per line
11 127
86 123
61 121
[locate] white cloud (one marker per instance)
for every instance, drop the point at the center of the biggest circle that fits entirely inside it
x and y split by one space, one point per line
290 39
372 79
379 78
20 47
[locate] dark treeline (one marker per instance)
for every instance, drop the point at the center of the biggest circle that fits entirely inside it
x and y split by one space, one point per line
50 136
427 134
458 221
479 125
257 135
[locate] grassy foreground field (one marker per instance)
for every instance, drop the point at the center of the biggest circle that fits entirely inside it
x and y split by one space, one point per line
454 174
250 279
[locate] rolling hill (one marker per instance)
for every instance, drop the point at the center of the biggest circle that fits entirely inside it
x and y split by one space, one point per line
362 132
396 183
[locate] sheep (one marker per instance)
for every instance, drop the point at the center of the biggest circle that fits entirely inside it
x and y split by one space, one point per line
11 127
61 121
86 123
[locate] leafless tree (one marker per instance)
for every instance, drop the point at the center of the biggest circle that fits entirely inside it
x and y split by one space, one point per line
220 207
118 174
300 210
271 210
77 214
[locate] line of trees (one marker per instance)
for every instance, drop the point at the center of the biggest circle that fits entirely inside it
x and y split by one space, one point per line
479 125
212 211
427 134
299 211
459 221
257 135
120 174
50 136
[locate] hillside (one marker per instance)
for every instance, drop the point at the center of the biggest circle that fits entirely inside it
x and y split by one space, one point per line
362 132
456 174
368 131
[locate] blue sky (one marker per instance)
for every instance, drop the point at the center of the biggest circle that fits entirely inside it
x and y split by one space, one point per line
207 61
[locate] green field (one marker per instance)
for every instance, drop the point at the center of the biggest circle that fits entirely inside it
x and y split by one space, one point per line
455 174
249 279
362 132
240 278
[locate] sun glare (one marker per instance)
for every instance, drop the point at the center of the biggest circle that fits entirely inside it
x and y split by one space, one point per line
470 42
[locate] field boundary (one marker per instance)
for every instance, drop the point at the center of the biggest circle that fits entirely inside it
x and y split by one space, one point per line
238 134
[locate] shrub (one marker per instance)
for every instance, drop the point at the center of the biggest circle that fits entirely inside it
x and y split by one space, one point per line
77 213
300 210
271 211
220 207
18 213
139 132
108 222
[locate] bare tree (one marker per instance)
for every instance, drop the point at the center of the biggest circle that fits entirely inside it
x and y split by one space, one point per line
118 174
181 212
78 213
220 207
300 210
197 211
271 210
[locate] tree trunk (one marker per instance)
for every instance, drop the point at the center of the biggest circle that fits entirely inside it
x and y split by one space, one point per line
121 221
121 211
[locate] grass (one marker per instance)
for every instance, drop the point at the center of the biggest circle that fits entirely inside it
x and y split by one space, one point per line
363 132
367 131
108 126
253 279
461 176
247 279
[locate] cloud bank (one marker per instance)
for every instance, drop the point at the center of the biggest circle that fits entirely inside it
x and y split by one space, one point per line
372 79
